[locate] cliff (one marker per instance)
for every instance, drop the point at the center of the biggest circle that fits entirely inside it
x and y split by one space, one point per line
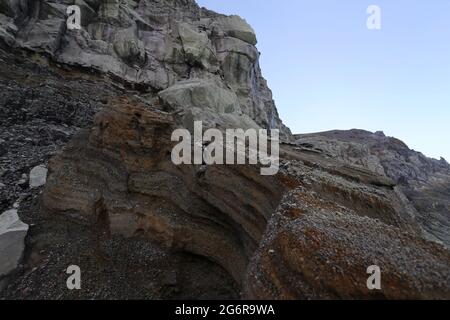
97 107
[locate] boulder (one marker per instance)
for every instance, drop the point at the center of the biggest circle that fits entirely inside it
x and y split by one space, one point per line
198 93
12 236
88 14
235 26
7 30
38 176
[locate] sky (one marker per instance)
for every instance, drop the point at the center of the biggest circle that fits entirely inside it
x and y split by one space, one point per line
328 71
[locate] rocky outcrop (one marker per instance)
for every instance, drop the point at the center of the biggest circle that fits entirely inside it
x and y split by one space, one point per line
12 241
309 232
324 254
120 173
97 107
153 46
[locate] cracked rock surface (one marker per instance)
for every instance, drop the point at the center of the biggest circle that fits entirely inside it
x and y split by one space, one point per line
96 107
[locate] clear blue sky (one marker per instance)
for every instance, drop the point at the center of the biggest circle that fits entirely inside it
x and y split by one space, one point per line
328 71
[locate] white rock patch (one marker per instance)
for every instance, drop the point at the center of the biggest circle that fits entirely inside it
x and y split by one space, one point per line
38 176
12 245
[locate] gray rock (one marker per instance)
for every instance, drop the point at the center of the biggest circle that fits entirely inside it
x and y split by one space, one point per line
235 26
12 236
424 181
38 176
7 30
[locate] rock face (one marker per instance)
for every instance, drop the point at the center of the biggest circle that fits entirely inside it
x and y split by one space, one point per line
123 176
38 176
154 46
12 245
424 181
97 107
309 232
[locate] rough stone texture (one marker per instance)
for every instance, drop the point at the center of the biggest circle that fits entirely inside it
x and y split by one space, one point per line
152 45
38 176
315 249
12 236
122 175
40 112
340 217
141 227
424 181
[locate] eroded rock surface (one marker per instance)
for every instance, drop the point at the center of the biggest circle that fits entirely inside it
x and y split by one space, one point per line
153 46
98 106
12 241
424 181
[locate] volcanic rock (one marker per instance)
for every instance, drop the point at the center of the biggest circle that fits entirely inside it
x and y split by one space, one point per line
97 107
38 176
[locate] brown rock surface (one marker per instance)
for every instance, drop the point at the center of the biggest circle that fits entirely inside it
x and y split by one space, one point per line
141 227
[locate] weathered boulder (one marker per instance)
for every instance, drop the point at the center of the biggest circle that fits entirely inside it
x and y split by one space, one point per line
208 102
129 48
121 174
13 8
12 236
38 176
